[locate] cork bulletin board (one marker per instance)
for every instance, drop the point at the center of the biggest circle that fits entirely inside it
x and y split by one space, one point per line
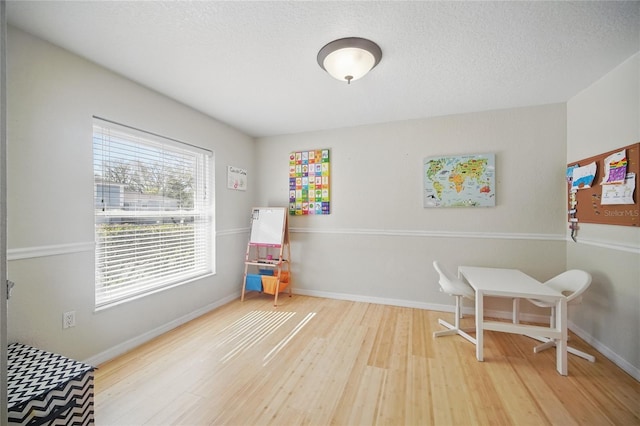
592 201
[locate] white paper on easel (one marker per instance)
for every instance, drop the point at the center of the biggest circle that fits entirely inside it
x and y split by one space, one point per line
620 193
268 225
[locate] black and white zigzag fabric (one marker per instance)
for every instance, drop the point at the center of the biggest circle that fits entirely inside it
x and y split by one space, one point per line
47 388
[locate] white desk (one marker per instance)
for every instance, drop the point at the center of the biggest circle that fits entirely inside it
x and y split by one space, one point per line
515 284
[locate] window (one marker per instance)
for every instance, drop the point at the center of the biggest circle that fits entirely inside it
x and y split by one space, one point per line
153 212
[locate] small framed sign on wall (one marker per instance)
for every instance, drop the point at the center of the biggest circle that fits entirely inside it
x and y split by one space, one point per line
309 184
236 178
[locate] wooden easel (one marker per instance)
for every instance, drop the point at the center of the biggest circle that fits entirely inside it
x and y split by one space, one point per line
268 256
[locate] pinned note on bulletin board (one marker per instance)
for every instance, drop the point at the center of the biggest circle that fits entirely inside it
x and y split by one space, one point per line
603 189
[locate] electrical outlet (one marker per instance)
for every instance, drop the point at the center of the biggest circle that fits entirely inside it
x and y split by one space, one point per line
69 319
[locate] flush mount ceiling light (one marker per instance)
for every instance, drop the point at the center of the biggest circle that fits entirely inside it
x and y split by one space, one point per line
350 58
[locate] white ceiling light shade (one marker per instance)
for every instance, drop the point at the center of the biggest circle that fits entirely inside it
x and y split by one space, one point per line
350 58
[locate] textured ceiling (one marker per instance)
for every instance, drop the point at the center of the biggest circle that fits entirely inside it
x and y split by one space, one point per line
253 64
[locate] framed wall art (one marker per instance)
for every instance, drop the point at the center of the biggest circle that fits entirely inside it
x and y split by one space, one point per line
236 178
459 181
309 184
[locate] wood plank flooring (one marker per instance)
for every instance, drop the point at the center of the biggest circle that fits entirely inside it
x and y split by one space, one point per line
316 361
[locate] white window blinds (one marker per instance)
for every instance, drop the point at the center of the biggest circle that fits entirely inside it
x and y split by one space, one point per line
153 212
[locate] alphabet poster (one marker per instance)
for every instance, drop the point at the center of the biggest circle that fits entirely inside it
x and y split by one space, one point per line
309 191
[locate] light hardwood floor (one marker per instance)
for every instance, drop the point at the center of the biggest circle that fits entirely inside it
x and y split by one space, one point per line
316 361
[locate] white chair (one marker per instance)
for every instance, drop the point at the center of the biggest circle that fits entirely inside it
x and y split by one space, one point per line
572 284
458 289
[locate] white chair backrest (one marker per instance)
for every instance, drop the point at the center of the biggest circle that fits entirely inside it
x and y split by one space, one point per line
571 283
452 285
445 279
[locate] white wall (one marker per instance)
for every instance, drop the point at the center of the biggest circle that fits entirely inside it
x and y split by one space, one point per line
604 117
378 243
52 96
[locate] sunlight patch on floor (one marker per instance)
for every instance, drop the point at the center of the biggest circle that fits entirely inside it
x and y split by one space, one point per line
286 340
251 330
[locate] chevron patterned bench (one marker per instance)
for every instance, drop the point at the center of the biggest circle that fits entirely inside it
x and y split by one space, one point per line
47 389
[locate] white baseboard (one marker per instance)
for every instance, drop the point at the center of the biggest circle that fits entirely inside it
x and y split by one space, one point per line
507 315
367 299
139 340
418 305
606 351
130 344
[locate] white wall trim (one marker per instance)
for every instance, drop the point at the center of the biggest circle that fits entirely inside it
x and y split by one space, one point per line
235 231
421 233
607 244
130 344
612 245
52 250
418 305
376 300
604 350
63 249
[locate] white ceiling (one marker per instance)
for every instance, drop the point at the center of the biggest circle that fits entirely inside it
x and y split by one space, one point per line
253 64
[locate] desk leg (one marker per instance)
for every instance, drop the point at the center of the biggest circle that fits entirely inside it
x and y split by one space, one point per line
479 324
561 344
516 310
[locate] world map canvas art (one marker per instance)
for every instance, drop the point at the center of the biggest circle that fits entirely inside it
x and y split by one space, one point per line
460 181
